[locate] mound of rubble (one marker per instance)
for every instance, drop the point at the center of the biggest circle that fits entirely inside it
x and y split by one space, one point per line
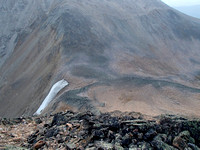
116 130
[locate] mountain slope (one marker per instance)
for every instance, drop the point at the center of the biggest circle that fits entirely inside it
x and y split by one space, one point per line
116 55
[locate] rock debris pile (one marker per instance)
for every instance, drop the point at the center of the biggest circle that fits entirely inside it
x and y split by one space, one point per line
116 130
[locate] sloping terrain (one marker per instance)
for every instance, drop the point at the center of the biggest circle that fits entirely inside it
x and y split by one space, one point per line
116 55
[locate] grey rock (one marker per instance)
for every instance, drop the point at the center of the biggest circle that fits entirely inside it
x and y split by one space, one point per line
91 148
70 146
182 139
140 136
133 147
144 146
118 146
180 143
193 146
104 145
118 137
158 143
186 136
126 140
38 120
150 134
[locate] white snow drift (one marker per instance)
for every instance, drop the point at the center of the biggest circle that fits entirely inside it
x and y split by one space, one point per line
53 92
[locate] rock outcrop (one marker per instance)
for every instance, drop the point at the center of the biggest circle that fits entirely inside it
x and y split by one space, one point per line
116 130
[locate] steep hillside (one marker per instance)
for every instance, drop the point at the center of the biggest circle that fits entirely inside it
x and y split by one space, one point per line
116 55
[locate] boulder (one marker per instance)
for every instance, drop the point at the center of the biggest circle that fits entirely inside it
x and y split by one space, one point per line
39 144
150 134
118 146
185 135
159 143
38 120
179 143
70 146
103 145
193 146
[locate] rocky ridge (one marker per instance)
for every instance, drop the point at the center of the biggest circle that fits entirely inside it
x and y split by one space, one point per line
115 130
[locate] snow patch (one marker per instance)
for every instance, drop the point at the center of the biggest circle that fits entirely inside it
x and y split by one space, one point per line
57 87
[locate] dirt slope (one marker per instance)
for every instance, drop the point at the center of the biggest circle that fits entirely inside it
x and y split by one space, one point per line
116 55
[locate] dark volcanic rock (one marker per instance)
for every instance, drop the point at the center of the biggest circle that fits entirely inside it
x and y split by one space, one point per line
179 143
32 138
194 128
159 143
88 131
150 134
38 120
58 119
51 132
193 146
